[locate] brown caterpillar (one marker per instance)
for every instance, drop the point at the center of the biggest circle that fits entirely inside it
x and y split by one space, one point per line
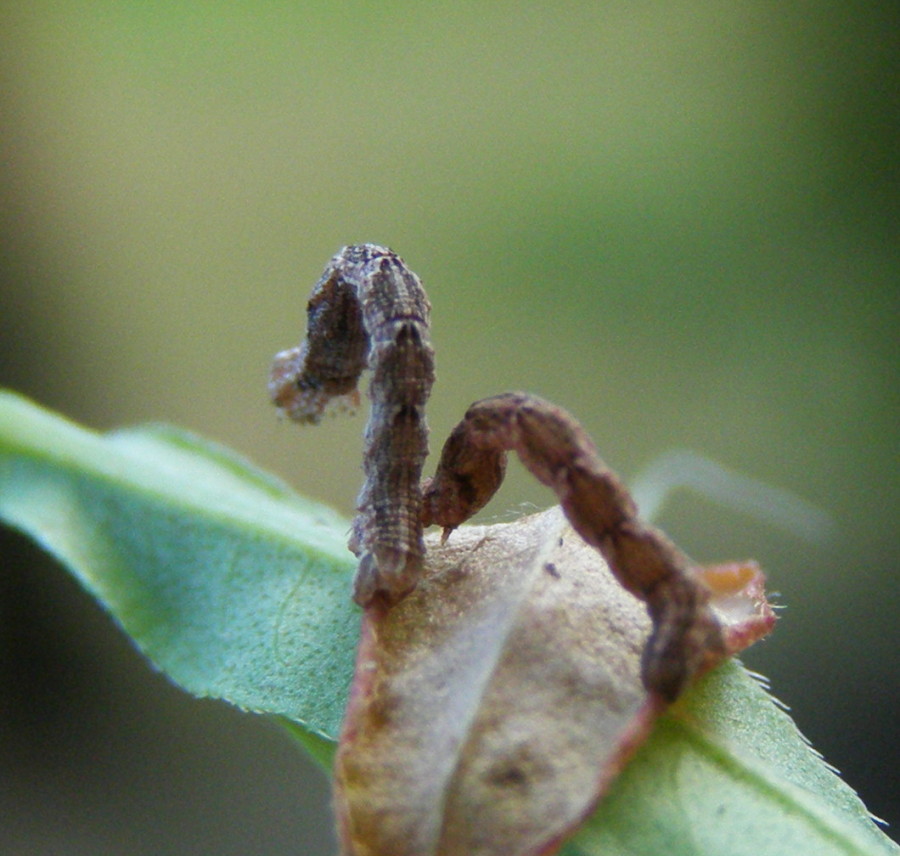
369 310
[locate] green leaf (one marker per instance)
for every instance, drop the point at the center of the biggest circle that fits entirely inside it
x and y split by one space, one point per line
727 771
238 589
232 585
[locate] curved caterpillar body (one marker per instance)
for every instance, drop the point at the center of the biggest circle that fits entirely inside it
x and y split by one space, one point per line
369 310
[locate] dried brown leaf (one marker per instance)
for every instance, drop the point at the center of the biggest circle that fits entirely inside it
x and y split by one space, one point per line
493 706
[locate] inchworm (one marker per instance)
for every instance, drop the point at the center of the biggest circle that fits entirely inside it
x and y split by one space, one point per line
370 310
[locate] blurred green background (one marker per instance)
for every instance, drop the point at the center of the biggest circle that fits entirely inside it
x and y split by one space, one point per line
678 220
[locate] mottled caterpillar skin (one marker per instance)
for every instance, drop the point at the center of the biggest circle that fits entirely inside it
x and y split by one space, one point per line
369 310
